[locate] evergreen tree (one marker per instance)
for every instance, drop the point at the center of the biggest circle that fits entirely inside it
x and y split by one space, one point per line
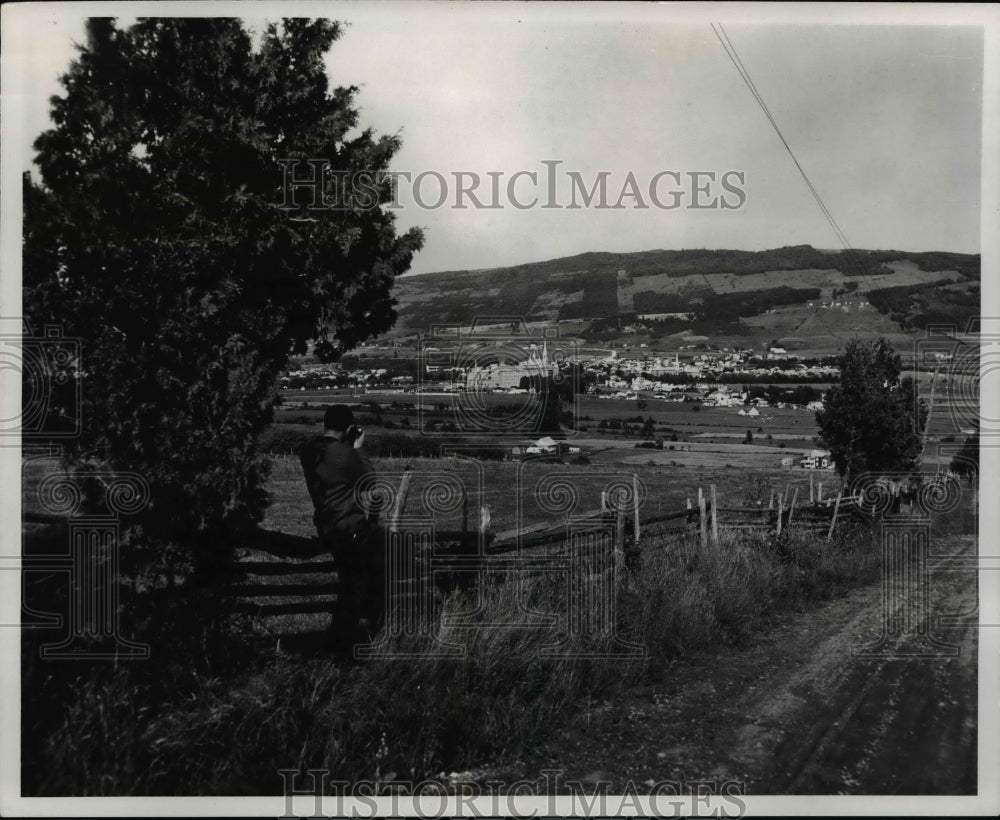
549 419
157 236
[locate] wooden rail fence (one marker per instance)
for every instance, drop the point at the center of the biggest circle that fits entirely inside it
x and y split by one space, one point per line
300 578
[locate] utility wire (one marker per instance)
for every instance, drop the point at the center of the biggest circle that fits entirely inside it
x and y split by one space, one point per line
745 75
730 49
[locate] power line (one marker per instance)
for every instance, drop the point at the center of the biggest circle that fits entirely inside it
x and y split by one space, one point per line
741 69
745 75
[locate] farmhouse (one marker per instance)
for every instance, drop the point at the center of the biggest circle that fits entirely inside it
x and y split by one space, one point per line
817 460
722 398
547 444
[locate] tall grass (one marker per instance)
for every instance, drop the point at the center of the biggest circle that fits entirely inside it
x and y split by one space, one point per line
211 717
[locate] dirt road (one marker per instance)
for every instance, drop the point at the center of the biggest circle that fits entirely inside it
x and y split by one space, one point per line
800 711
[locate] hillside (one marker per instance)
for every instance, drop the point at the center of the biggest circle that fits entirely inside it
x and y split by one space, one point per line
666 296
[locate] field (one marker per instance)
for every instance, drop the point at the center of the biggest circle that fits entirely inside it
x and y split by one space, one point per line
306 407
523 493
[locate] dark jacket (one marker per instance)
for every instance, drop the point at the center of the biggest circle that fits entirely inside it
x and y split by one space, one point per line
335 474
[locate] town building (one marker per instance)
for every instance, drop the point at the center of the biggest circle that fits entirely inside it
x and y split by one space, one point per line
504 376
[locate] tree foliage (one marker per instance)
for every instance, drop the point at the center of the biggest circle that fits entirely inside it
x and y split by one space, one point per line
156 237
872 421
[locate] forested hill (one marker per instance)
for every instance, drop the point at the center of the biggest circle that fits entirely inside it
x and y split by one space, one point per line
701 291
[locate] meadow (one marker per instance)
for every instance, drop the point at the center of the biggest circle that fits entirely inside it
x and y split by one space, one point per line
684 418
521 493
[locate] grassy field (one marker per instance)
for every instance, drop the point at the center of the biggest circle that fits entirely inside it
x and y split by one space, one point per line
686 418
523 493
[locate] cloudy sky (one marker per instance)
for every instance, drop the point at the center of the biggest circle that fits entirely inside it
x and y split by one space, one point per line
884 119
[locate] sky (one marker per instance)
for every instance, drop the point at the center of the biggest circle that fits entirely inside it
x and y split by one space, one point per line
885 120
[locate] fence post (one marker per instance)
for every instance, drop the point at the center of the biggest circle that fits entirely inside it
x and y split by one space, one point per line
397 509
788 489
620 534
819 492
715 517
770 501
791 509
465 512
833 521
781 512
812 499
702 522
635 507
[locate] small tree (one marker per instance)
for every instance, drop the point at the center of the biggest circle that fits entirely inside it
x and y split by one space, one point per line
549 418
872 421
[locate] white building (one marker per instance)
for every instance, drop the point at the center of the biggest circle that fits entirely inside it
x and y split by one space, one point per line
499 376
641 383
547 444
817 460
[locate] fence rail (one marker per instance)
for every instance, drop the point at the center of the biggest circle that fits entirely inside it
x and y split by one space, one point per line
299 570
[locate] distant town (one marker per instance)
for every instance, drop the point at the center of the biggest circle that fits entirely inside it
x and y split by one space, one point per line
625 375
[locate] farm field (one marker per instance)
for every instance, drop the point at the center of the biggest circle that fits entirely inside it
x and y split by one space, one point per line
529 492
687 417
521 493
814 331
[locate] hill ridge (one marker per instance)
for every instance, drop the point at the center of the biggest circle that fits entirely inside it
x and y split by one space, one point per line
705 292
